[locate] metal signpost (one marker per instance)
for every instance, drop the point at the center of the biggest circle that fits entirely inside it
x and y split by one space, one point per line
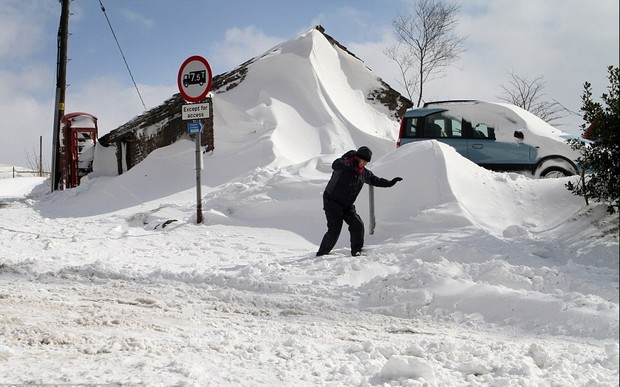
194 81
371 208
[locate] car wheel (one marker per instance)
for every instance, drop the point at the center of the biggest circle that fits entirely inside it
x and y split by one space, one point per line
555 172
554 168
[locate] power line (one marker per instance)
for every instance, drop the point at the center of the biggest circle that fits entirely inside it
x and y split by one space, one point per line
123 55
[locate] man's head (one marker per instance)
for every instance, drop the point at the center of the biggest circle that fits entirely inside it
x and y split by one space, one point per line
364 153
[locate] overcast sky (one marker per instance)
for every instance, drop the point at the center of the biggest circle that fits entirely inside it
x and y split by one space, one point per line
567 42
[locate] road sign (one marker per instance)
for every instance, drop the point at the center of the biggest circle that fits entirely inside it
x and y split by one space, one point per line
194 79
194 127
195 111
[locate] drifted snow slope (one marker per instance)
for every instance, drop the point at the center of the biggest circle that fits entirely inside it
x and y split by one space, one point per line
302 99
471 277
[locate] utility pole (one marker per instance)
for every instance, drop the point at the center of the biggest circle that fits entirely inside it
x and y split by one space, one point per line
40 156
61 85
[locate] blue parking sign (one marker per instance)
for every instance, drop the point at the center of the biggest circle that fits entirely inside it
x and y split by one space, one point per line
194 127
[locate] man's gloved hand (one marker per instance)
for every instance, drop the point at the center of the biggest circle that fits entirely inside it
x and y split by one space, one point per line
395 180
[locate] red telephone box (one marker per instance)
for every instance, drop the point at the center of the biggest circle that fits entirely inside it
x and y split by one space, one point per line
79 132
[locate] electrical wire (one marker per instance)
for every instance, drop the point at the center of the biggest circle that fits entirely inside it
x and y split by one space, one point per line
122 54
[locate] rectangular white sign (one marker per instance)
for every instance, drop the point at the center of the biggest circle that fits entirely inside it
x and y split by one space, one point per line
195 111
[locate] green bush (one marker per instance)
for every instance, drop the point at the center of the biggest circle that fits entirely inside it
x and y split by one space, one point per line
600 159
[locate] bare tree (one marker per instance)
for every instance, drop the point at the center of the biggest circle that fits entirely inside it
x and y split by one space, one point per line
528 94
405 62
426 43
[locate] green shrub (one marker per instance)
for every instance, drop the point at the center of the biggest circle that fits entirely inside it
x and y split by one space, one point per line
600 159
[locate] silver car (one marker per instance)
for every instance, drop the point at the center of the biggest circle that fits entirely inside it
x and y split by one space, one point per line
497 136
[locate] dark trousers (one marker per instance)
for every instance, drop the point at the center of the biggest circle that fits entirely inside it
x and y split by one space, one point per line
336 213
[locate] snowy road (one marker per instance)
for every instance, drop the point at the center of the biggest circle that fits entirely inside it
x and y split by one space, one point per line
124 303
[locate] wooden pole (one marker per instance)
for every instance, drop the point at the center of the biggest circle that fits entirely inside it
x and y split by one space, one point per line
61 85
40 156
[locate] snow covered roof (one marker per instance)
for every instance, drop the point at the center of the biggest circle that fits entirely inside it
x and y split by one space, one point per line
381 93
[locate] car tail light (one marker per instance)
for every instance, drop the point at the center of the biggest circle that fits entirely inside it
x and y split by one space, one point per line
401 132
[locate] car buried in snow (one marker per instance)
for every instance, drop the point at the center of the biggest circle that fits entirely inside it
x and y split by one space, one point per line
496 136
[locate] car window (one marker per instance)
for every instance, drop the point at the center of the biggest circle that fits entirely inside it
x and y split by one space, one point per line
482 130
410 127
455 129
443 125
433 128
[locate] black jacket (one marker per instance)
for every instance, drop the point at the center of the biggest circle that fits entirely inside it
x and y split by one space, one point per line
346 183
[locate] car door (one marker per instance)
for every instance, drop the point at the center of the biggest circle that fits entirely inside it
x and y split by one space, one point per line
451 133
496 150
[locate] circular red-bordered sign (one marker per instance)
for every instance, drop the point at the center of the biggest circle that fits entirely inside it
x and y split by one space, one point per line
194 79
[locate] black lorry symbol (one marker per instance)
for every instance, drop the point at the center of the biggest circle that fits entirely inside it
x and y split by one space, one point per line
195 78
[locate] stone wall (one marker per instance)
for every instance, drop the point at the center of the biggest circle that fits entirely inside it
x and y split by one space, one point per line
157 128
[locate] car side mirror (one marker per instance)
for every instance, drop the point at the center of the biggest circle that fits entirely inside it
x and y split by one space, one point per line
518 134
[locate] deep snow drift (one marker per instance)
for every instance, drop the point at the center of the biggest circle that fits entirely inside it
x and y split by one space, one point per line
471 278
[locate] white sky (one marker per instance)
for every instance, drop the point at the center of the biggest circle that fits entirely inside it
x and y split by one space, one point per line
565 42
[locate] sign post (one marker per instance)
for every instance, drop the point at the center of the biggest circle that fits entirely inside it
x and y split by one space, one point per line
371 208
194 81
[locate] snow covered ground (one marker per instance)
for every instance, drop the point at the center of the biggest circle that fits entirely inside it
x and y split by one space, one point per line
471 277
